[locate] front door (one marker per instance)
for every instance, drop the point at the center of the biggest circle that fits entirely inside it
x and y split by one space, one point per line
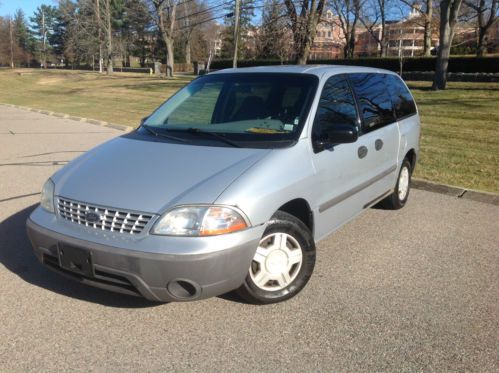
350 176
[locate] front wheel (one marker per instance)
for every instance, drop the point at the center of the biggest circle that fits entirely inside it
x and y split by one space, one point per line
399 197
283 262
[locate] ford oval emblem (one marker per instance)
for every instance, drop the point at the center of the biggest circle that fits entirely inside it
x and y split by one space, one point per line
92 217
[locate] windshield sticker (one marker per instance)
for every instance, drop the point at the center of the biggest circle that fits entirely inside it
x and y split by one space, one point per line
288 127
262 130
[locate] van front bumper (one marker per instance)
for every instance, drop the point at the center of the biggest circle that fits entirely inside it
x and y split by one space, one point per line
156 276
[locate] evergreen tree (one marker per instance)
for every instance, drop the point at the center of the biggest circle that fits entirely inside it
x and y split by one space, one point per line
43 25
274 39
24 39
246 14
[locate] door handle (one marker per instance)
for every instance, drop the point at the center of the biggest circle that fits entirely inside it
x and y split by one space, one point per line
378 144
362 151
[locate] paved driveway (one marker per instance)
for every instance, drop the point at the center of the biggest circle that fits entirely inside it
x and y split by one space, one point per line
412 290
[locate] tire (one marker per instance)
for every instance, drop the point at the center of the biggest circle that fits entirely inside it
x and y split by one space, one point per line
283 262
399 197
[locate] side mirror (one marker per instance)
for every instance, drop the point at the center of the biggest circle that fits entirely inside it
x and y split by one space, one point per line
342 134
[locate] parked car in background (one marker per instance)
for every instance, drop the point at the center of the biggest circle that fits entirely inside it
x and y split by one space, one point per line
230 183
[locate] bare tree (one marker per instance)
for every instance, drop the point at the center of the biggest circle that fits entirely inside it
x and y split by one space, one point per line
11 39
373 17
99 31
109 36
192 16
164 12
428 30
449 11
348 12
303 25
486 14
426 14
82 42
274 39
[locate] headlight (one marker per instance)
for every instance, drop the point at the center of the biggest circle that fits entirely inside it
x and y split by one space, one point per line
47 198
199 221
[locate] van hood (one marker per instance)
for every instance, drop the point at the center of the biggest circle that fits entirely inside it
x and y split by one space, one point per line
131 173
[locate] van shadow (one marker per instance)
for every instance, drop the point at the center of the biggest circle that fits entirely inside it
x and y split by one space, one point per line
17 256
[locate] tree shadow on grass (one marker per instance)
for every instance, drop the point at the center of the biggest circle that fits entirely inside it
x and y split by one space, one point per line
155 86
494 88
17 256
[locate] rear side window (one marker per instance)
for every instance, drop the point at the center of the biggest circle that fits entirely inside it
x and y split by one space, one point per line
336 107
403 103
374 100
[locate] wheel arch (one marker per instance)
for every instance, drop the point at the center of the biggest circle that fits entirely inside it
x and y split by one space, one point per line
300 209
412 157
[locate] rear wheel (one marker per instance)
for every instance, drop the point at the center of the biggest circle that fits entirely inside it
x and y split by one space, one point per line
283 262
399 197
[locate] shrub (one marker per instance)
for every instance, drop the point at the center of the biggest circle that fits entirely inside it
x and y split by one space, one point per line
457 64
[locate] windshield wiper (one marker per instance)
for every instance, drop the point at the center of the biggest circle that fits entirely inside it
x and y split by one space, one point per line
215 135
159 134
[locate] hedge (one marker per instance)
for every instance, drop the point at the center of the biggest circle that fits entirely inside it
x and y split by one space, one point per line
456 64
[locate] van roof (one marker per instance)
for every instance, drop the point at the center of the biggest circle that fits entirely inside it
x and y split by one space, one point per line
318 70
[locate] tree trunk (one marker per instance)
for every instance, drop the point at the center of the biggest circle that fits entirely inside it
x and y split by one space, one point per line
427 28
449 10
303 49
11 45
188 50
440 80
169 58
167 34
99 27
304 26
382 51
481 48
349 48
109 54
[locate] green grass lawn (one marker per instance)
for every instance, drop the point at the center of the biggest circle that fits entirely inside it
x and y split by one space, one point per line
460 134
122 98
460 126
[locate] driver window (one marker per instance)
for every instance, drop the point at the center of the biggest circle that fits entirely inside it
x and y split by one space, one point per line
336 107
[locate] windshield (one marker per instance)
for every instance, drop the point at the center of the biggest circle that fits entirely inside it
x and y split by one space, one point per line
242 107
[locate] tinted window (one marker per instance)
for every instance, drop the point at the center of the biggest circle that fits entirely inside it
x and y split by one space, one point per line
245 107
197 108
336 107
374 100
403 103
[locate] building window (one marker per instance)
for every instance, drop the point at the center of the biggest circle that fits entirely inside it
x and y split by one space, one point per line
329 34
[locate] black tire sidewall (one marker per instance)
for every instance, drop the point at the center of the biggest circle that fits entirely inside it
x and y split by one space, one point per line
398 201
286 223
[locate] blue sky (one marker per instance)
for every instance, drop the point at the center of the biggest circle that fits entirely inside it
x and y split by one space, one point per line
28 6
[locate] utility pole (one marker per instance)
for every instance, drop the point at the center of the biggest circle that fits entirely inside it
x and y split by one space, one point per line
236 32
11 45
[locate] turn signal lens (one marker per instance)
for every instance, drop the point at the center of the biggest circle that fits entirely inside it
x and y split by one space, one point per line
220 220
200 221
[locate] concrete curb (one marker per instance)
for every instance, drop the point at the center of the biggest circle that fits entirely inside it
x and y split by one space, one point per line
96 122
450 190
454 191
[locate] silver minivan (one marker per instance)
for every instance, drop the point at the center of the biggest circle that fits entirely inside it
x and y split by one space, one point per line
230 183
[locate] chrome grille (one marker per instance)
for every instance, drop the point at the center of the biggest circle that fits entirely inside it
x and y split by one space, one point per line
112 220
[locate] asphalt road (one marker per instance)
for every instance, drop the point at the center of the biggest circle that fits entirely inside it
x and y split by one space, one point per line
411 290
